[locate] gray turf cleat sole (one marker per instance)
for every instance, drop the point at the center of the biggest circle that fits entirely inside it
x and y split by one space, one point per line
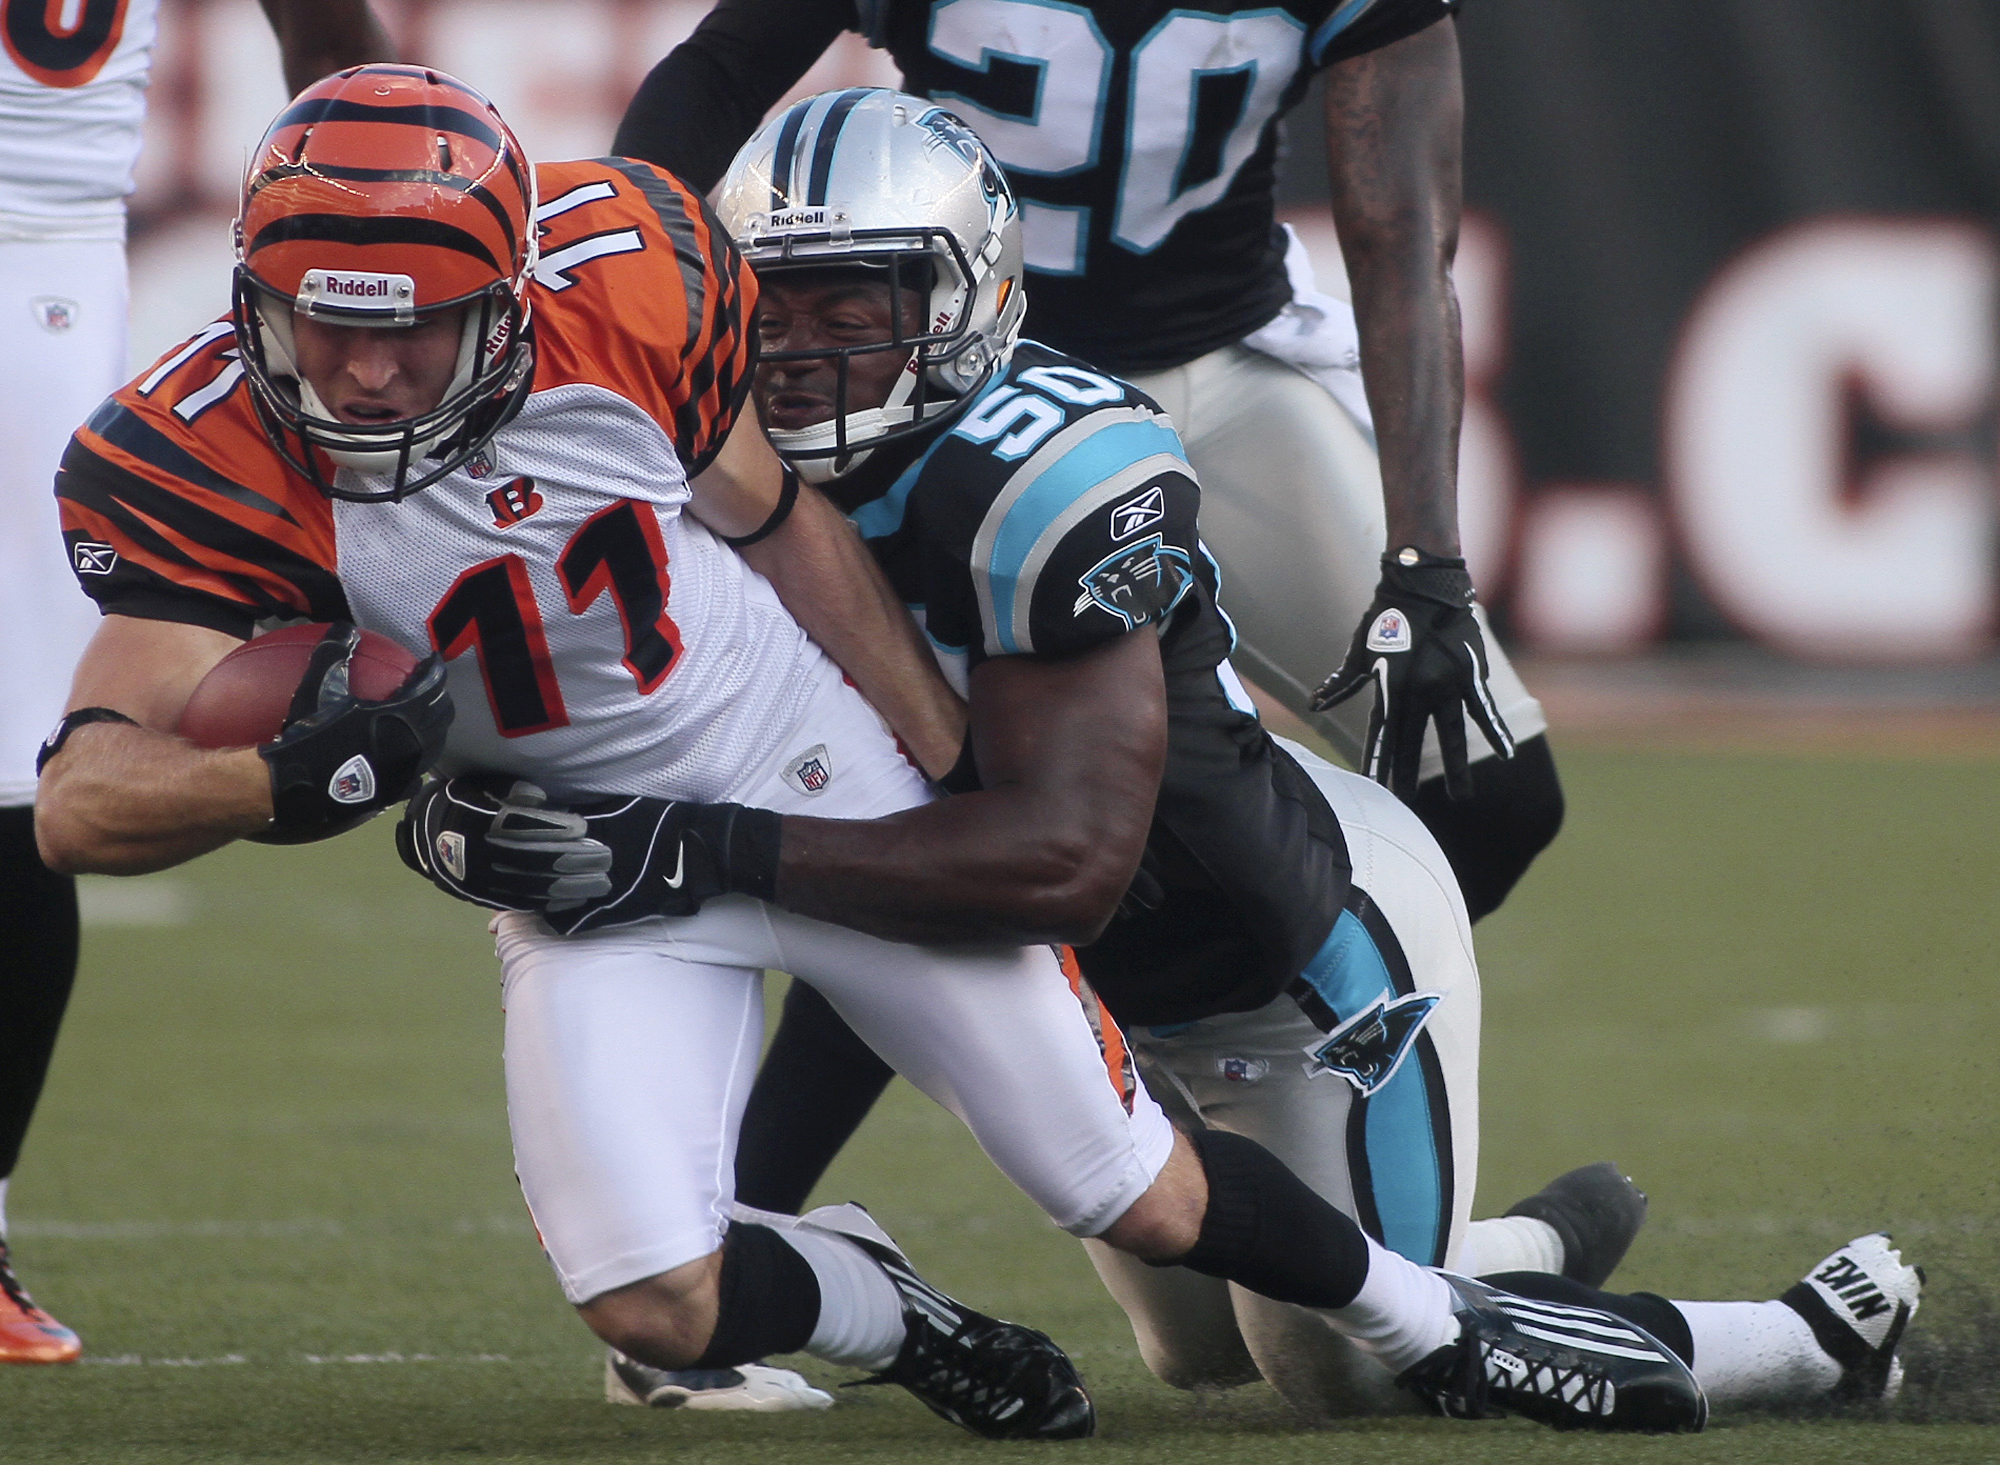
1596 1211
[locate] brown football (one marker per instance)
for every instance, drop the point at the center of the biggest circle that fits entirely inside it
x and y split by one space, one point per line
244 698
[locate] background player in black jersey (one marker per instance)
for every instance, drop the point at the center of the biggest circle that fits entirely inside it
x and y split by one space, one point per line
1141 137
38 909
1282 941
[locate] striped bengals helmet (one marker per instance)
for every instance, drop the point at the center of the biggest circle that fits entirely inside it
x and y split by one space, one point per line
379 196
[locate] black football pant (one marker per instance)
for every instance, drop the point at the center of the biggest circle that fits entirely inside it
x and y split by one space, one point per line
38 945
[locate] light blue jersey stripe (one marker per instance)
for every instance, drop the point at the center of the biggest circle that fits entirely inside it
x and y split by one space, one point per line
1059 485
1333 25
1404 1169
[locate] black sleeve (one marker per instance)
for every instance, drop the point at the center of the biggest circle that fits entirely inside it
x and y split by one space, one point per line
1381 24
702 102
1125 564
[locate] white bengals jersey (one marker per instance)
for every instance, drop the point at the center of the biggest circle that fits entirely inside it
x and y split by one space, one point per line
596 639
72 101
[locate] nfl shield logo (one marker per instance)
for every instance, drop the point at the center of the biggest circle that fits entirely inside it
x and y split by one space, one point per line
353 782
54 314
811 771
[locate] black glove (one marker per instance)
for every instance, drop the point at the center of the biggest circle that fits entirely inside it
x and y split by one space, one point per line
340 758
601 861
1420 647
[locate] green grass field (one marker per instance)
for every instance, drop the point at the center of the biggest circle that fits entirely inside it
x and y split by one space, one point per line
270 1181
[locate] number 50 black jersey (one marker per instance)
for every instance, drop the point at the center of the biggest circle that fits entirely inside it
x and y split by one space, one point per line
1052 513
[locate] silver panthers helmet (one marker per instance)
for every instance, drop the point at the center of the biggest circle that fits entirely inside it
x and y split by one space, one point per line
881 180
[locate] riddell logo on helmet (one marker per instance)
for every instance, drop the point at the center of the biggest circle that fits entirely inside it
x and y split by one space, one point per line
358 290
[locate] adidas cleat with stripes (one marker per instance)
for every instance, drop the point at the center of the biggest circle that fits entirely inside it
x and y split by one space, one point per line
751 1388
1857 1303
1566 1367
27 1334
997 1379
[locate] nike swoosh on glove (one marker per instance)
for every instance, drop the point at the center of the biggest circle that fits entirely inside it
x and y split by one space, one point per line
1420 647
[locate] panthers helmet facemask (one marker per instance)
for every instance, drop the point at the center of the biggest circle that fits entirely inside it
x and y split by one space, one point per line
383 196
872 179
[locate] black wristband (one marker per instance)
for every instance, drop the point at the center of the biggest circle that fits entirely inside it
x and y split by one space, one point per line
787 496
82 717
1435 577
743 842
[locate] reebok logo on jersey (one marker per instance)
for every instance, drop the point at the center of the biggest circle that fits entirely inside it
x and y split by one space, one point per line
513 503
811 771
348 291
1138 513
1369 1047
1391 631
91 558
353 782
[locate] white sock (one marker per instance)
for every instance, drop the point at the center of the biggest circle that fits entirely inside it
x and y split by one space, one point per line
1510 1244
3 1205
1403 1312
860 1311
1756 1353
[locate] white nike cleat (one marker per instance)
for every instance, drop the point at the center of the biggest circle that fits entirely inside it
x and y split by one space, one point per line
1857 1303
750 1388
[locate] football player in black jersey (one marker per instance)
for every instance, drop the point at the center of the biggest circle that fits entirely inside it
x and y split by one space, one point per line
1282 941
1141 137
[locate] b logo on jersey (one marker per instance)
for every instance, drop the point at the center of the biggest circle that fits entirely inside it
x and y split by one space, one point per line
91 558
1369 1047
1137 584
513 502
1139 513
811 771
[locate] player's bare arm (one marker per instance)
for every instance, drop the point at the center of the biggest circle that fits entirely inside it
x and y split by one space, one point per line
830 582
1393 130
127 799
320 37
1069 752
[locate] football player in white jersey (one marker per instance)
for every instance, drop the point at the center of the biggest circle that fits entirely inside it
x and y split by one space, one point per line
71 104
469 420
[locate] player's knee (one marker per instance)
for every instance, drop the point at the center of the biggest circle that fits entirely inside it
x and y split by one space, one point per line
665 1320
1163 1225
1492 838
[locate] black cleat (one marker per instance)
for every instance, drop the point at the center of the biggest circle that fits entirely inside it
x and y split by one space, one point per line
1566 1367
997 1379
1857 1303
1596 1210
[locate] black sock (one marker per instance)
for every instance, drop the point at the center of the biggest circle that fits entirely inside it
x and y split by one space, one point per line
1267 1230
817 1084
1492 837
1648 1309
38 943
769 1299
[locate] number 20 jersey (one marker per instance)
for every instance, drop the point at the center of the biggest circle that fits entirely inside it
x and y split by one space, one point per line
596 638
1054 512
1141 138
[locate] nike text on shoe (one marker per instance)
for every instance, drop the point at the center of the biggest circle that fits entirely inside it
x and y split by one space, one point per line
753 1388
1596 1210
997 1379
1566 1367
1857 1303
27 1334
